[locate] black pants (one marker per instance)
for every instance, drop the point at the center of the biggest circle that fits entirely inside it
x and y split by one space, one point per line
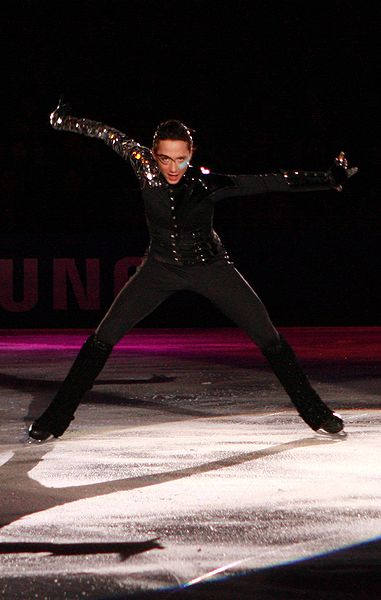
219 281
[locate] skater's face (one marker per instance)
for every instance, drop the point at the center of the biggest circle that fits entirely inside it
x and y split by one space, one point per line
173 157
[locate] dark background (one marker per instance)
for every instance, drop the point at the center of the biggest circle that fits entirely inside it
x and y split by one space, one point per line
266 85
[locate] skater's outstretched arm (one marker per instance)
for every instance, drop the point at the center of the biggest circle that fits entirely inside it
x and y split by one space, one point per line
284 181
141 157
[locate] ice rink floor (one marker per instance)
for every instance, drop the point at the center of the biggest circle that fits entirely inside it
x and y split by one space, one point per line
188 474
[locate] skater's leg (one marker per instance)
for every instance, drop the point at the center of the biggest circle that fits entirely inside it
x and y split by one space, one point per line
152 283
233 295
142 294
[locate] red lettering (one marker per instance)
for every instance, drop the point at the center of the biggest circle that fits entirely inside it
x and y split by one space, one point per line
65 271
30 287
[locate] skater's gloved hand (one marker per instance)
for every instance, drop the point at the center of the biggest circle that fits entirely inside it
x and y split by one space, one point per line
62 109
340 172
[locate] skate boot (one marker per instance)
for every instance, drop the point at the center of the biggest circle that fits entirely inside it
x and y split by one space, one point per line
307 402
59 414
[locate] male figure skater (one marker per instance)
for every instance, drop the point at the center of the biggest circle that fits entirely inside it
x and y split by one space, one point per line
185 253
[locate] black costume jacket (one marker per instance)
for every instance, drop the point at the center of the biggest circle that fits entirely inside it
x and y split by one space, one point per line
180 217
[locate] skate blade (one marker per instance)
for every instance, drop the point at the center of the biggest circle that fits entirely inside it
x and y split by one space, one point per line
340 435
33 441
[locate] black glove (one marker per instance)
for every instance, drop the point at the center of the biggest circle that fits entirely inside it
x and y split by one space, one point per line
339 173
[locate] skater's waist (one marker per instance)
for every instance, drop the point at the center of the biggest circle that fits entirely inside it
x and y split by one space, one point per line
185 246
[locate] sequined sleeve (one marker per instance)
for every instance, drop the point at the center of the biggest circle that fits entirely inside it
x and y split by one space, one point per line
140 157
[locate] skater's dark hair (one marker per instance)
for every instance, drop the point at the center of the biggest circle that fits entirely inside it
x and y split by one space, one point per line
173 130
